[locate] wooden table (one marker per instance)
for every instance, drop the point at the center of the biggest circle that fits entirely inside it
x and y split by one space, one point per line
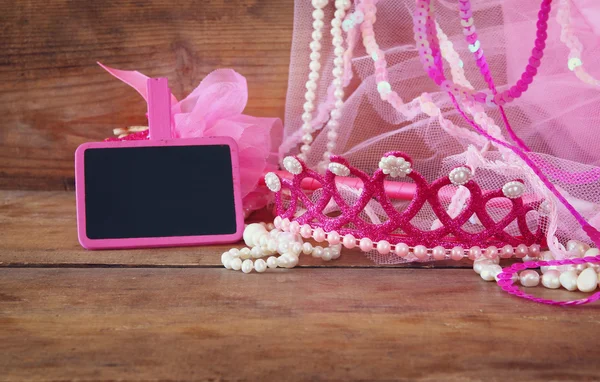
66 313
70 314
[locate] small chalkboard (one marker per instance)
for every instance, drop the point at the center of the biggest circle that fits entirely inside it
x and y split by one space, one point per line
158 192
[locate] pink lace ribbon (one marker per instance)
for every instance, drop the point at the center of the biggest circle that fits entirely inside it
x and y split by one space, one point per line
215 109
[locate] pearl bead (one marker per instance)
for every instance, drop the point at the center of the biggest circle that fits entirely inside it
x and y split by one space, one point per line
336 251
489 272
292 261
260 265
460 176
319 235
307 248
226 260
247 266
319 3
245 253
272 245
296 248
534 250
551 279
439 253
383 247
480 263
592 252
272 262
307 139
457 253
587 280
366 244
306 231
313 75
491 252
236 264
402 250
475 253
327 255
315 66
513 190
234 252
295 227
568 280
252 230
315 46
318 14
283 262
333 238
256 252
506 251
420 251
349 241
318 24
576 247
317 252
521 251
529 278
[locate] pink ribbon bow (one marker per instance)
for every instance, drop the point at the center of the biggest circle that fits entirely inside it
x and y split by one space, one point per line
215 108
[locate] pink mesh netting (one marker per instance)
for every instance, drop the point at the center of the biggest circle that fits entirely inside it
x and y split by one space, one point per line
556 117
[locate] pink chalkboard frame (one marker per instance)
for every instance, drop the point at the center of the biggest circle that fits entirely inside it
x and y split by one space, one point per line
159 117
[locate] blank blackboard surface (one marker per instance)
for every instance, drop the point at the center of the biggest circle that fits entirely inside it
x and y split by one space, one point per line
149 192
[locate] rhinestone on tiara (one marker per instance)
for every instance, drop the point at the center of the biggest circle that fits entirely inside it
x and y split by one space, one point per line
398 229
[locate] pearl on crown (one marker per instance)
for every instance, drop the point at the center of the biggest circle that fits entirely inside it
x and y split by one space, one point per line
272 181
514 189
292 165
395 166
460 176
339 169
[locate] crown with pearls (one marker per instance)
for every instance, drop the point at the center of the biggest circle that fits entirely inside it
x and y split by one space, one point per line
300 214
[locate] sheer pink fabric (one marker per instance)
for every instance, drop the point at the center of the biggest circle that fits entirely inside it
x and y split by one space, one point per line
557 117
215 108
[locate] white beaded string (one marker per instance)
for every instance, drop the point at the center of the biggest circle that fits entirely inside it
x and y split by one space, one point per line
313 76
338 71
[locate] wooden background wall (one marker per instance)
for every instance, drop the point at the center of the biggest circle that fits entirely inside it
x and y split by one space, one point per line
54 97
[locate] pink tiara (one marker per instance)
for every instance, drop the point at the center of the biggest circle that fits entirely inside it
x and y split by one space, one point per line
398 234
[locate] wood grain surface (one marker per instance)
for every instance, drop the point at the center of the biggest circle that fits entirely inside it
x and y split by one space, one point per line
287 325
54 97
176 314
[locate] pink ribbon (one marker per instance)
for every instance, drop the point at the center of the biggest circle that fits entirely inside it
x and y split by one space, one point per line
215 108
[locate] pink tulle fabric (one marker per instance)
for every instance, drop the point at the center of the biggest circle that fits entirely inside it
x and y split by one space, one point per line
557 117
215 108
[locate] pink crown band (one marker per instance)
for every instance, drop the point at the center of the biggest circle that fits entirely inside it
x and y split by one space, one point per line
398 233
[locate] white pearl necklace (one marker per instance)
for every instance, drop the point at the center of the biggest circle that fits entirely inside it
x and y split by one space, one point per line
311 85
313 76
581 277
338 83
266 241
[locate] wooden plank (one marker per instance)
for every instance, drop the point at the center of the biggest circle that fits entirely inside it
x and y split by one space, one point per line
54 97
38 228
311 324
